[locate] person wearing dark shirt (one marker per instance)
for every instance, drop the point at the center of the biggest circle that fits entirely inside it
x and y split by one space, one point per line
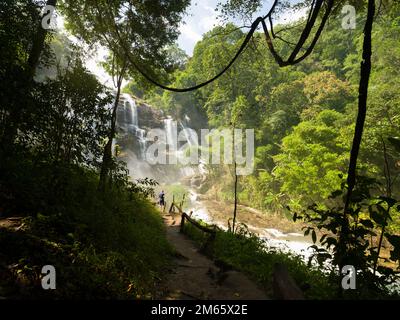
161 198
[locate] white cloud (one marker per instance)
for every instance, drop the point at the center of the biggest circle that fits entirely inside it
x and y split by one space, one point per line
207 23
292 16
188 32
202 17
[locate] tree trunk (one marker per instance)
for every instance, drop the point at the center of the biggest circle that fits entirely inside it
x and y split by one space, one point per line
388 177
236 180
362 111
24 86
235 206
38 45
107 155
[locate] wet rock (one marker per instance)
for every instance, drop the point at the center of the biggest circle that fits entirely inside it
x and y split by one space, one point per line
196 181
150 117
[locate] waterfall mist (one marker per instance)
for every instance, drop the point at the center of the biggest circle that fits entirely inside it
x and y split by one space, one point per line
132 144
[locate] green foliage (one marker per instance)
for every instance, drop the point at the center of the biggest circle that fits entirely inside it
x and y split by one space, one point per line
142 32
247 253
52 132
70 122
195 234
352 238
312 159
304 116
175 191
102 247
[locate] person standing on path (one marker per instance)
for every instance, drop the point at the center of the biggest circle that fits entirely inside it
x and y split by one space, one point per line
161 199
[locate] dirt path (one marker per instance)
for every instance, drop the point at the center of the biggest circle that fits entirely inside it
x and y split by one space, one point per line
197 277
14 222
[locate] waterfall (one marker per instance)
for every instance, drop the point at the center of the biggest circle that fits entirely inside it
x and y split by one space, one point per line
171 131
134 113
113 144
193 142
191 139
132 122
134 152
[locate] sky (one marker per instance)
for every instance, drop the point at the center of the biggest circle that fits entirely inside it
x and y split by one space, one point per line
200 18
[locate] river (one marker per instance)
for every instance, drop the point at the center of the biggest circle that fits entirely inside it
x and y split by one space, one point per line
288 240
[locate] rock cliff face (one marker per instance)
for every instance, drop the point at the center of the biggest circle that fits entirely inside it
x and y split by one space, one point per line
134 120
150 117
131 131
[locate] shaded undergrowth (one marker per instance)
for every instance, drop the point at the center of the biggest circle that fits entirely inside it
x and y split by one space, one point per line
103 245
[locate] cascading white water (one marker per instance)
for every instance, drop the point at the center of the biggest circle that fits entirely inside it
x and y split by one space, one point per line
134 113
190 137
128 123
171 131
133 124
273 238
114 142
193 142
